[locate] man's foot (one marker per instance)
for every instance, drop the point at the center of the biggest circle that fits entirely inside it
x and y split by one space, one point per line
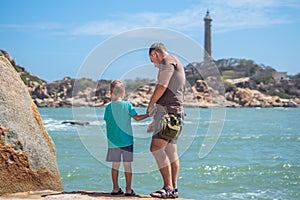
117 192
163 193
176 192
132 193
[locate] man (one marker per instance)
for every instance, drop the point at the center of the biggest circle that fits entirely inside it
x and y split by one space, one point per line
168 97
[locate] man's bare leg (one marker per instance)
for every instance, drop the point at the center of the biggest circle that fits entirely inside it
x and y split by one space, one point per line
158 150
171 151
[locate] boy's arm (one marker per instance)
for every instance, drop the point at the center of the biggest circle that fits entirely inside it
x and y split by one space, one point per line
140 117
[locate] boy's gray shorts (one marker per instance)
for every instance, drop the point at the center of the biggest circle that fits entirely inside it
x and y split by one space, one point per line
124 154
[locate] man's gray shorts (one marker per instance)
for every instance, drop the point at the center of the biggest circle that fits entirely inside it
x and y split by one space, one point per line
160 112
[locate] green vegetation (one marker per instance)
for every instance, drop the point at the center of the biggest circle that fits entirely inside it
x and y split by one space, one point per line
229 87
132 85
297 76
263 75
228 74
27 77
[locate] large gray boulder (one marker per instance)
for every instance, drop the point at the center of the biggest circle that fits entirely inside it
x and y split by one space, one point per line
27 153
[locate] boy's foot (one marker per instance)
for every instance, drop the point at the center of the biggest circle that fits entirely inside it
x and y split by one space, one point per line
117 192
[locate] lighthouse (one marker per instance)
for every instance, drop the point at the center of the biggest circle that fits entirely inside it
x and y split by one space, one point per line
207 37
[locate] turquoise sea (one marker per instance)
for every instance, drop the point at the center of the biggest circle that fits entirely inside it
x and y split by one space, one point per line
232 153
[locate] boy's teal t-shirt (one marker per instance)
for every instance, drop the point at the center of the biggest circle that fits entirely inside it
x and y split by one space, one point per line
118 123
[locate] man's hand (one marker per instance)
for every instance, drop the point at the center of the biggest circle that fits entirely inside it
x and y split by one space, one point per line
150 128
151 110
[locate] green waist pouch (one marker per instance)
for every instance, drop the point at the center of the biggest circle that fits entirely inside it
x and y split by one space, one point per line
171 127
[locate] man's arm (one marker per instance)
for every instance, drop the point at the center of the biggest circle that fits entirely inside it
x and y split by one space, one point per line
164 76
158 92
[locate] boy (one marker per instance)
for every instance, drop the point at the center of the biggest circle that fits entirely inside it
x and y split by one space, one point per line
118 115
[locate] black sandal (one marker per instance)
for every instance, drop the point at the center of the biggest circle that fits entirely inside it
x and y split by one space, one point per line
120 191
176 190
167 193
132 193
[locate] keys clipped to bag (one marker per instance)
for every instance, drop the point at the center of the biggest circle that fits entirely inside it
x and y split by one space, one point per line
173 120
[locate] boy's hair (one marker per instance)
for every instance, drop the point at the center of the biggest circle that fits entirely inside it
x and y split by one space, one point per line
117 88
159 47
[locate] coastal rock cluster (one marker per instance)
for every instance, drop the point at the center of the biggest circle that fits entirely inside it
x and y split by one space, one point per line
243 84
244 97
61 94
241 97
70 93
84 93
27 153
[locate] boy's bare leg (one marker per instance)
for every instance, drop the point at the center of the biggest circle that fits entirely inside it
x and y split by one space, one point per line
114 176
128 176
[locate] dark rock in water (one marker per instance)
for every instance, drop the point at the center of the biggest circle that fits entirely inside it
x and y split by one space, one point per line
76 123
27 153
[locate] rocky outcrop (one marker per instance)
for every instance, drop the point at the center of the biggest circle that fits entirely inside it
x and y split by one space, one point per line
141 96
246 84
25 75
70 93
201 94
244 97
27 153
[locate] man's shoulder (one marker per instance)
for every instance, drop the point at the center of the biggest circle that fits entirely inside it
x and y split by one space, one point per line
171 58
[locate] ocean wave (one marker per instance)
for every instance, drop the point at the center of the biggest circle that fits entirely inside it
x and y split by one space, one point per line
140 123
55 125
257 194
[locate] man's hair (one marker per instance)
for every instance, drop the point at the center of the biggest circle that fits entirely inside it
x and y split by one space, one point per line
159 47
117 88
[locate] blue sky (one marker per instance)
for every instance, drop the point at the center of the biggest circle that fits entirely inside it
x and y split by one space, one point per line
53 38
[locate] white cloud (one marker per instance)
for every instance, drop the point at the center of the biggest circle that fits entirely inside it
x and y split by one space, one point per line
180 21
32 27
102 28
235 14
227 15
